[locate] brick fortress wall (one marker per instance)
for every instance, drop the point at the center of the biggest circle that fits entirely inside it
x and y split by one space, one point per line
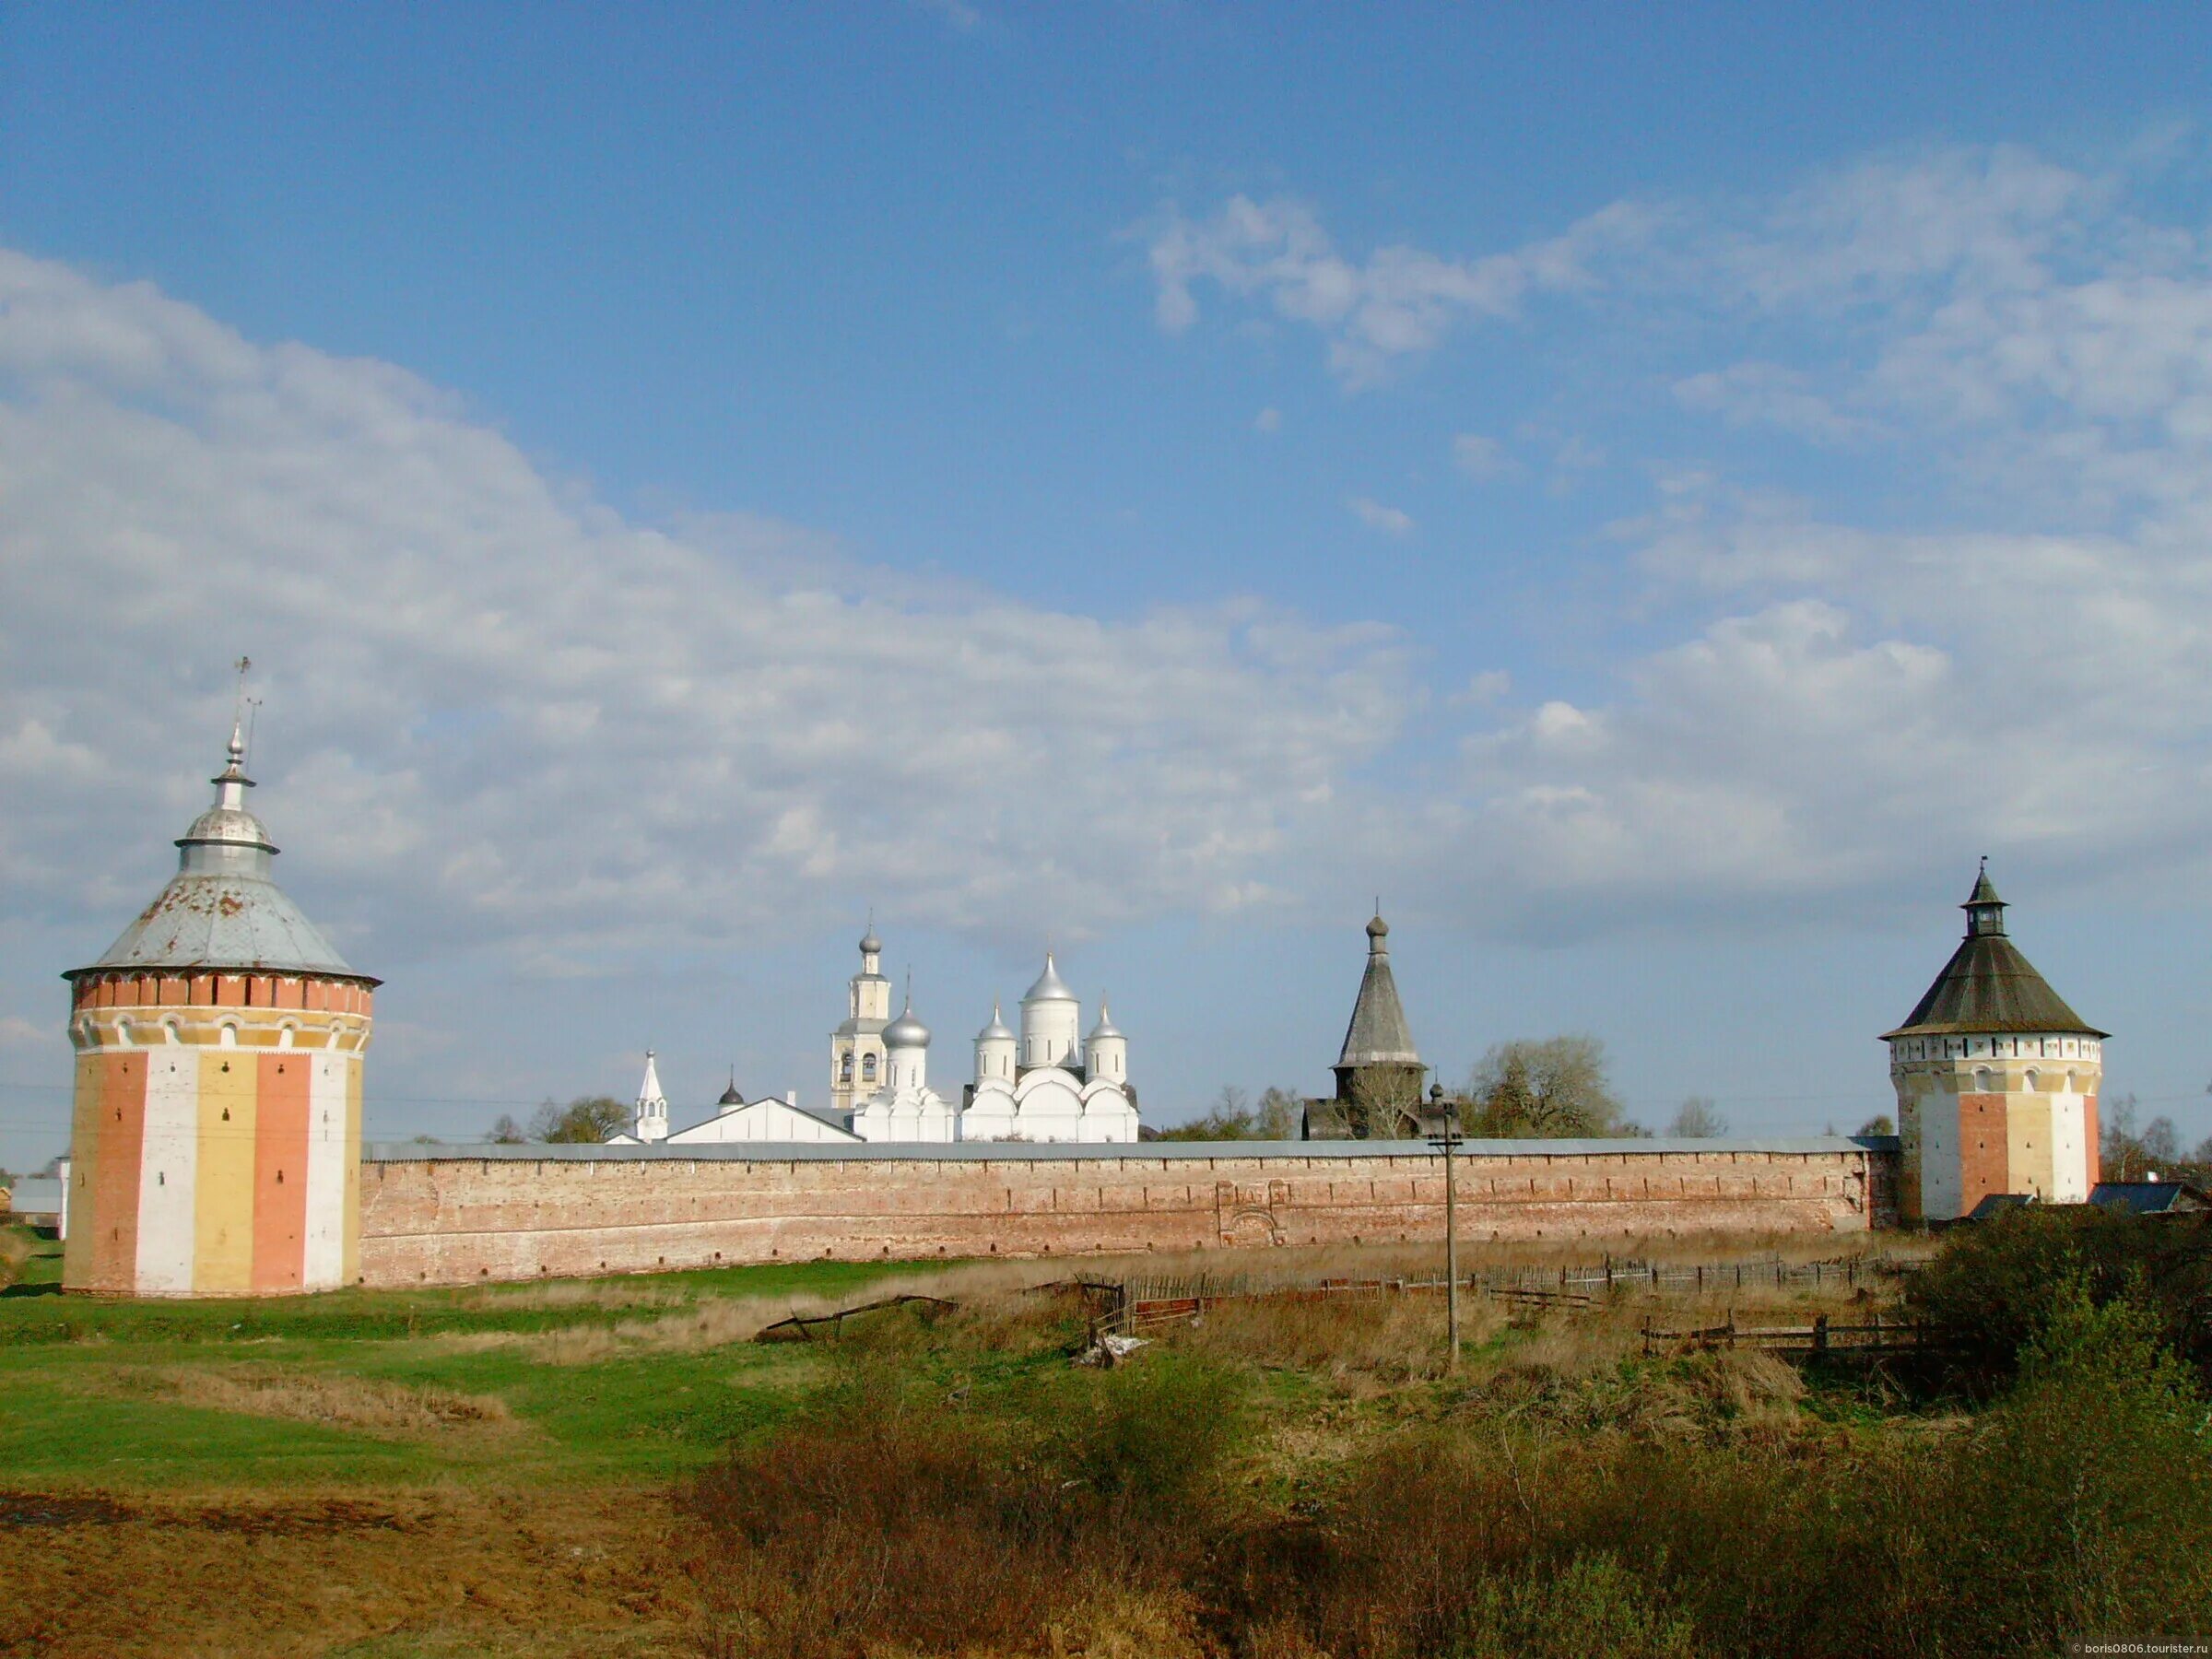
445 1216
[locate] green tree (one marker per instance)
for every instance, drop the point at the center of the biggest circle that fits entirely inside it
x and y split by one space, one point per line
1879 1123
1555 1086
587 1119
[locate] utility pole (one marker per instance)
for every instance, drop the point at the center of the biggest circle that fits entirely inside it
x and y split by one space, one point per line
1447 1140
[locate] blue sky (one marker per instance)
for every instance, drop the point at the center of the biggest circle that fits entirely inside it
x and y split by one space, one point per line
1651 495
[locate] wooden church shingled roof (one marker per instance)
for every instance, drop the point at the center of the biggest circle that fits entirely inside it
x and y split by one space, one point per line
1988 986
1378 1033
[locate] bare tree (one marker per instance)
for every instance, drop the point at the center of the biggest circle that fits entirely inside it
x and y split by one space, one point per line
2120 1148
506 1132
1279 1115
1557 1087
1229 1118
1697 1119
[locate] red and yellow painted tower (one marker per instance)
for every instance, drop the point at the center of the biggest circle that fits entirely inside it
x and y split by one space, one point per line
216 1136
1996 1080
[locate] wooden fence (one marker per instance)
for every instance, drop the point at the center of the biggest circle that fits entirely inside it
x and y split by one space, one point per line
1822 1339
1131 1305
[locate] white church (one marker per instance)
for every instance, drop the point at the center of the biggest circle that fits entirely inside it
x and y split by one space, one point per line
1049 1084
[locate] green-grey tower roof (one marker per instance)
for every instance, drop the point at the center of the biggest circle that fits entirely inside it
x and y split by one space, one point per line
1988 987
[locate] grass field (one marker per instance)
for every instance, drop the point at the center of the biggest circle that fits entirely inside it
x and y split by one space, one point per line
612 1468
423 1472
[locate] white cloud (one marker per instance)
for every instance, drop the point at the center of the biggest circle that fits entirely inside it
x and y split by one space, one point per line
500 715
1488 686
1770 394
958 14
2007 648
1398 302
1479 457
1391 521
16 1032
1267 420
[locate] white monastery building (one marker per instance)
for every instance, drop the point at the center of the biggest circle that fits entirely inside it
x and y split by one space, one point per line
1050 1083
736 1118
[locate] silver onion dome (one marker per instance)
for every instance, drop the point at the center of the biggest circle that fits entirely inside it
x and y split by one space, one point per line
1050 986
906 1031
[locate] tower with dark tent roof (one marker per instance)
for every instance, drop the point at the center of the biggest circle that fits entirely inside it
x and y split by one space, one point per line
1378 1070
1996 1080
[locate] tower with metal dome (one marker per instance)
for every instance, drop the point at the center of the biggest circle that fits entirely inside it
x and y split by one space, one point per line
1996 1080
906 1108
216 1136
1051 1020
1053 1083
857 1055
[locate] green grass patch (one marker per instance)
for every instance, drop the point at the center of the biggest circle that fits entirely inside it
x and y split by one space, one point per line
611 1381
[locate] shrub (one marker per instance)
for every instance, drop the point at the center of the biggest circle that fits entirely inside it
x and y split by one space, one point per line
1592 1604
1993 1284
894 1515
2082 1507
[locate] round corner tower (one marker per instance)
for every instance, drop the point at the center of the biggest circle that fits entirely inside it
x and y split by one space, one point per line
1996 1080
217 1130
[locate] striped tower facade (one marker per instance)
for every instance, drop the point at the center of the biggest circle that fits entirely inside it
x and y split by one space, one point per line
1996 1080
216 1140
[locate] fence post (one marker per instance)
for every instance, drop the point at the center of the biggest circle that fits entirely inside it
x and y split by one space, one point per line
1819 1332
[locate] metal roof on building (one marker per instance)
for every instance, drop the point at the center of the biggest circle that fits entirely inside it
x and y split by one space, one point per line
1118 1152
223 922
2148 1197
222 909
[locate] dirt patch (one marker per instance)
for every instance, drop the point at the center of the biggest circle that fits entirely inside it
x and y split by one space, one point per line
363 1402
53 1509
547 1575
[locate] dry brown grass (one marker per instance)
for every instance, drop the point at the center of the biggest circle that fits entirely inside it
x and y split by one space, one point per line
1376 1340
347 1402
697 1325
